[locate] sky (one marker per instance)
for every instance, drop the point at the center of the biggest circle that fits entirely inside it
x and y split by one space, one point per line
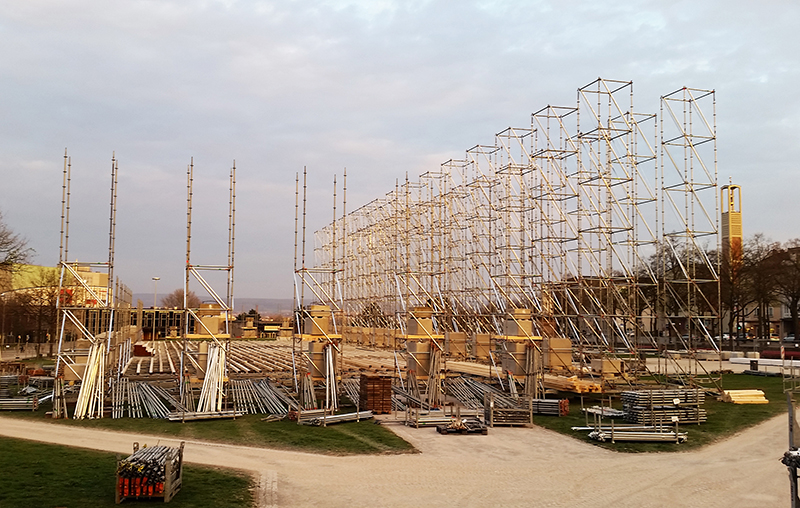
379 87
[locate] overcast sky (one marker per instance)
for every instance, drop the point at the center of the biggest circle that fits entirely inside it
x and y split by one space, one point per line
377 86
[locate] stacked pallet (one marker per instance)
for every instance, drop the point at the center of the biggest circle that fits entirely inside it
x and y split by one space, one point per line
744 397
572 384
376 394
655 407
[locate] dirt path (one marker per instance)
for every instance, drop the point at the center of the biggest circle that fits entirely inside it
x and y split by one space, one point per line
509 467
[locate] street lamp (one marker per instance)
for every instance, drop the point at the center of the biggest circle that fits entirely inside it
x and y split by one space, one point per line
155 300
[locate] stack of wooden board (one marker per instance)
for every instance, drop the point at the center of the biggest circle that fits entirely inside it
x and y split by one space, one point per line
572 384
744 397
376 394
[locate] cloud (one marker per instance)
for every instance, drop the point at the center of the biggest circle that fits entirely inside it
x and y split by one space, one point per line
383 88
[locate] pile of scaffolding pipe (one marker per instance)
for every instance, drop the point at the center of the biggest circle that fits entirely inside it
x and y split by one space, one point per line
212 394
552 407
19 404
172 401
659 406
482 389
306 416
605 412
616 427
307 396
458 388
352 388
331 395
152 405
5 382
119 397
651 436
398 404
340 418
91 395
410 399
179 416
257 398
281 392
421 418
149 464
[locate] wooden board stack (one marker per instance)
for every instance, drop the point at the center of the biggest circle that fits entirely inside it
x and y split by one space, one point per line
744 397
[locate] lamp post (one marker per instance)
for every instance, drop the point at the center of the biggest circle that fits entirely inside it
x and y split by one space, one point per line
155 300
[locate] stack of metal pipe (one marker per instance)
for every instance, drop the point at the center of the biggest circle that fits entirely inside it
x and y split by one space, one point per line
212 393
345 417
257 398
148 463
457 387
653 407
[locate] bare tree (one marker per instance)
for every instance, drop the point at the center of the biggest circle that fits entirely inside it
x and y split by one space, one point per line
14 251
175 300
733 288
761 272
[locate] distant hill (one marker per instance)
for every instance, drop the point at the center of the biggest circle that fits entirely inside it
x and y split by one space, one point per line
267 306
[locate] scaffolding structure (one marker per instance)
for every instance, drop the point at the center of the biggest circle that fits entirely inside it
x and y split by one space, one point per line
317 336
212 360
589 223
88 309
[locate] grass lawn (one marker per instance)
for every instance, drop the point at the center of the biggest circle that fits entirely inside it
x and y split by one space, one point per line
36 475
351 438
724 419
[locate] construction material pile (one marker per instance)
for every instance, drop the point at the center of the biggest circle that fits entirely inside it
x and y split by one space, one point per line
150 472
473 394
261 397
140 399
656 407
744 397
19 404
572 384
323 417
5 385
651 435
375 394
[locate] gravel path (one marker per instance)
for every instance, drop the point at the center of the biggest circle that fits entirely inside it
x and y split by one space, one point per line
509 467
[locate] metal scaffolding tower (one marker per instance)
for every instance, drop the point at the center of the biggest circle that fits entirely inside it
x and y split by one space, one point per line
578 224
87 308
216 340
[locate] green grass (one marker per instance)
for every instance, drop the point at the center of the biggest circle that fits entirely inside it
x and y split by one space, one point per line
724 419
353 438
36 475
